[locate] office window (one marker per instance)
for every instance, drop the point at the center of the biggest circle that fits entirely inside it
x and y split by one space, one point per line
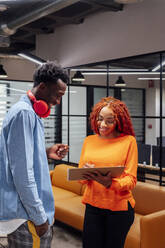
133 98
10 93
100 92
77 135
3 102
74 120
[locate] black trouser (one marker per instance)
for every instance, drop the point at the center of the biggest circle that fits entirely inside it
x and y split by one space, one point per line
104 228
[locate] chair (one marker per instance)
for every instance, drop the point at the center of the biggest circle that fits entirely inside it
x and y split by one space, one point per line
144 152
158 141
156 156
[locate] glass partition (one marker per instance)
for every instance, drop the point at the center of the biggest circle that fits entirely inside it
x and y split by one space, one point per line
138 81
100 92
10 93
77 135
3 101
144 94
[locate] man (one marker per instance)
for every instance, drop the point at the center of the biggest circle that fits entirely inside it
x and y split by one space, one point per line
26 199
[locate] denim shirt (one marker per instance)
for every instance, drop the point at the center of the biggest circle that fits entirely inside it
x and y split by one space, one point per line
25 186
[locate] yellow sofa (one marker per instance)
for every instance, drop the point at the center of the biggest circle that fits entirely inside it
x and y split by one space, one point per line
148 230
67 195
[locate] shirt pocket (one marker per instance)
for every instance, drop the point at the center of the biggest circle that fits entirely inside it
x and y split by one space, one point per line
10 203
1 204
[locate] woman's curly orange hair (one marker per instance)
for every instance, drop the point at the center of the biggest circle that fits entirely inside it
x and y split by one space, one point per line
123 119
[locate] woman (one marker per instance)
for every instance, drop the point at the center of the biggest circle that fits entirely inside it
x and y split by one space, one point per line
109 202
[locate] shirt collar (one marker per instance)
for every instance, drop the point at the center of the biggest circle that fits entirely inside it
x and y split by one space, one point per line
26 99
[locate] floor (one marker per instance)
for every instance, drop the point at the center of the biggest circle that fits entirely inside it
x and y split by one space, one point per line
64 236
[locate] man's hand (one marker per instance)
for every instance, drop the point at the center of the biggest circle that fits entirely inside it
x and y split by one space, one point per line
41 229
57 151
105 180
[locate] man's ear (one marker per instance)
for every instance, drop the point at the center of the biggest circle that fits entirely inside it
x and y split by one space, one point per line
42 86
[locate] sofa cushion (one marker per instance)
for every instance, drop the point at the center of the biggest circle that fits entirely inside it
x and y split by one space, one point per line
59 179
83 189
133 237
60 193
70 211
149 198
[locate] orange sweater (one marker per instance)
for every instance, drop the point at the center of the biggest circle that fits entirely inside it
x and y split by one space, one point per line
110 152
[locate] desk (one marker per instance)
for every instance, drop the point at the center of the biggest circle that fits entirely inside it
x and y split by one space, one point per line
151 167
150 173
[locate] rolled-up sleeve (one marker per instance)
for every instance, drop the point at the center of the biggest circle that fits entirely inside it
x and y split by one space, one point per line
20 151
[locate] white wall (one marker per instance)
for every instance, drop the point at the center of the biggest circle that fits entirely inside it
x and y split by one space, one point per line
18 69
138 29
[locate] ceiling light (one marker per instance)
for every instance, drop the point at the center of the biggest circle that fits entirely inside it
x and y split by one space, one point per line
32 58
3 73
120 82
127 1
3 7
122 73
150 78
78 77
105 70
4 41
156 68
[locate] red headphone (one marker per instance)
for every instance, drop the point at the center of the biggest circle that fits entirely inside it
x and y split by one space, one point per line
40 107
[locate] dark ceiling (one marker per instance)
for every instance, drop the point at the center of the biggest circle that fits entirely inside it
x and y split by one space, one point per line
24 19
146 62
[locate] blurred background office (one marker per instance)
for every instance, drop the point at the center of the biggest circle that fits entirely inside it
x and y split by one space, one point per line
109 48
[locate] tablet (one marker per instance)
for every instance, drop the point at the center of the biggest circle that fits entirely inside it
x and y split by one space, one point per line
77 173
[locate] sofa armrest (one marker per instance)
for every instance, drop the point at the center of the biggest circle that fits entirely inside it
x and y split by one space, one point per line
51 174
152 230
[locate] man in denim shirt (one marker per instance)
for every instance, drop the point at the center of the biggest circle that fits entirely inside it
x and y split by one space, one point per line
26 199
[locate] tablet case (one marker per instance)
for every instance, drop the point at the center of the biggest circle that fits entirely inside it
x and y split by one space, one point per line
77 173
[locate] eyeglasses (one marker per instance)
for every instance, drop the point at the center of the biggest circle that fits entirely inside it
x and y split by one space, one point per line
108 122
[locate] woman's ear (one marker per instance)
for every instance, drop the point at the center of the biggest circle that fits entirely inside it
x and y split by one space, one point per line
118 125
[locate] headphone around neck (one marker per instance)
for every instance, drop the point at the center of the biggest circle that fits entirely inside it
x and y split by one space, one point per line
40 107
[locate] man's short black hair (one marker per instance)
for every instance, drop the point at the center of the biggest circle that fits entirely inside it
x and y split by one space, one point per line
49 72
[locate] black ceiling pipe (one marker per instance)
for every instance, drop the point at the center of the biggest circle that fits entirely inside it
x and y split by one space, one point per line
44 10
